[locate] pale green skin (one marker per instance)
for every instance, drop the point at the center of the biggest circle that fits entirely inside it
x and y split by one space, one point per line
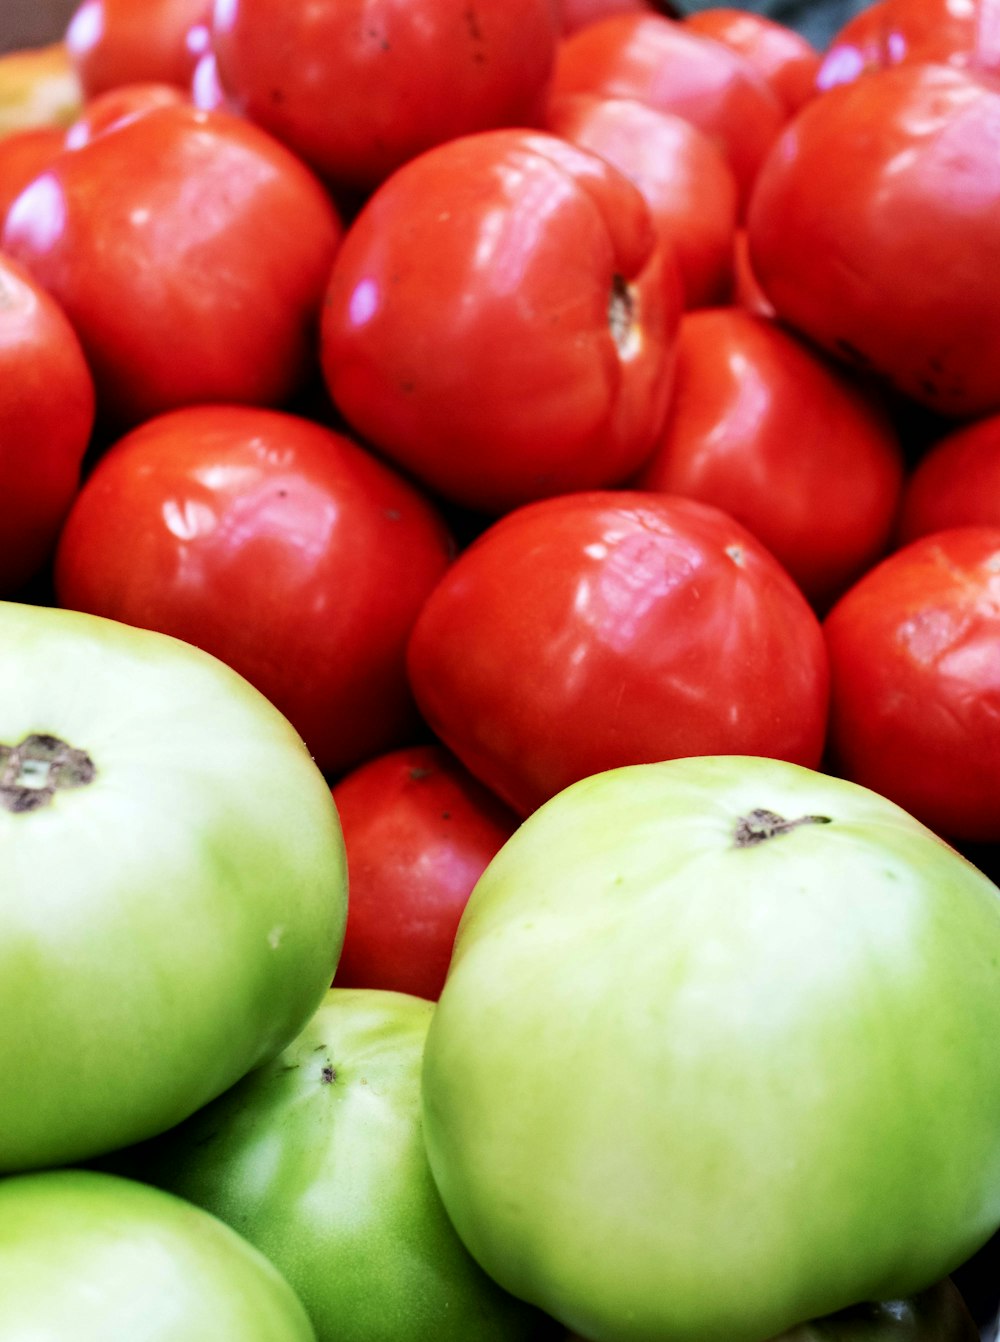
680 1091
175 922
89 1257
318 1159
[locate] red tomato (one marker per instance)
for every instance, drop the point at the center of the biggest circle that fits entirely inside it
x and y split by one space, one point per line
190 250
579 13
687 183
419 831
114 42
784 441
358 87
746 291
46 418
786 60
915 661
23 155
955 483
860 45
662 62
887 255
274 543
122 103
499 321
962 33
609 628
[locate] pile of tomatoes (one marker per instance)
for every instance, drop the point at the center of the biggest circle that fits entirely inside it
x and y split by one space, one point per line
513 393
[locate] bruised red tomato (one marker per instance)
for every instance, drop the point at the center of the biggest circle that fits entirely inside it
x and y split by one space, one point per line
46 418
500 321
616 627
915 662
190 251
955 483
278 545
686 181
785 59
419 831
786 442
113 42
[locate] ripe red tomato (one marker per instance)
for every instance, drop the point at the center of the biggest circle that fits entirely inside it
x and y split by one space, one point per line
686 181
915 663
46 418
579 13
784 441
608 628
419 831
961 33
499 321
955 483
106 110
278 545
358 87
887 255
24 154
114 42
190 251
664 63
859 46
746 291
783 57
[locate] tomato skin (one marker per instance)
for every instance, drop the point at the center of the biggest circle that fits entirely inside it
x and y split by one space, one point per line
278 545
783 440
47 408
190 251
106 110
915 700
786 60
409 74
955 483
580 13
467 331
662 62
113 42
886 256
686 181
419 831
896 32
23 155
599 629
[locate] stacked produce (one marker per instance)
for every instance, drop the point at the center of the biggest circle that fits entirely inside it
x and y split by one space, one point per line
500 651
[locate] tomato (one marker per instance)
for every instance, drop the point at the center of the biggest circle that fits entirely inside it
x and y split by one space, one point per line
686 181
914 653
106 110
893 32
278 545
175 891
662 62
419 830
786 60
576 14
46 418
955 483
746 291
886 255
937 1314
784 441
190 251
408 74
609 628
318 1159
499 322
113 42
98 1258
23 155
859 46
716 1054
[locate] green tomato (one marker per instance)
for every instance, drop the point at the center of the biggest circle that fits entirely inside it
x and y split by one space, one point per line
938 1314
94 1258
317 1158
174 883
717 1054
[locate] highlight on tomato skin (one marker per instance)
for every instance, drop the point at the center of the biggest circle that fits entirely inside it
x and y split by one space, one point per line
115 42
786 60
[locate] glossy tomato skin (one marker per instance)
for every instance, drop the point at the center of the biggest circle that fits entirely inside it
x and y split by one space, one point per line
886 255
914 654
686 181
576 14
607 628
786 60
661 61
419 832
190 251
23 155
113 42
786 442
500 321
408 74
955 483
893 32
278 545
46 418
109 109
